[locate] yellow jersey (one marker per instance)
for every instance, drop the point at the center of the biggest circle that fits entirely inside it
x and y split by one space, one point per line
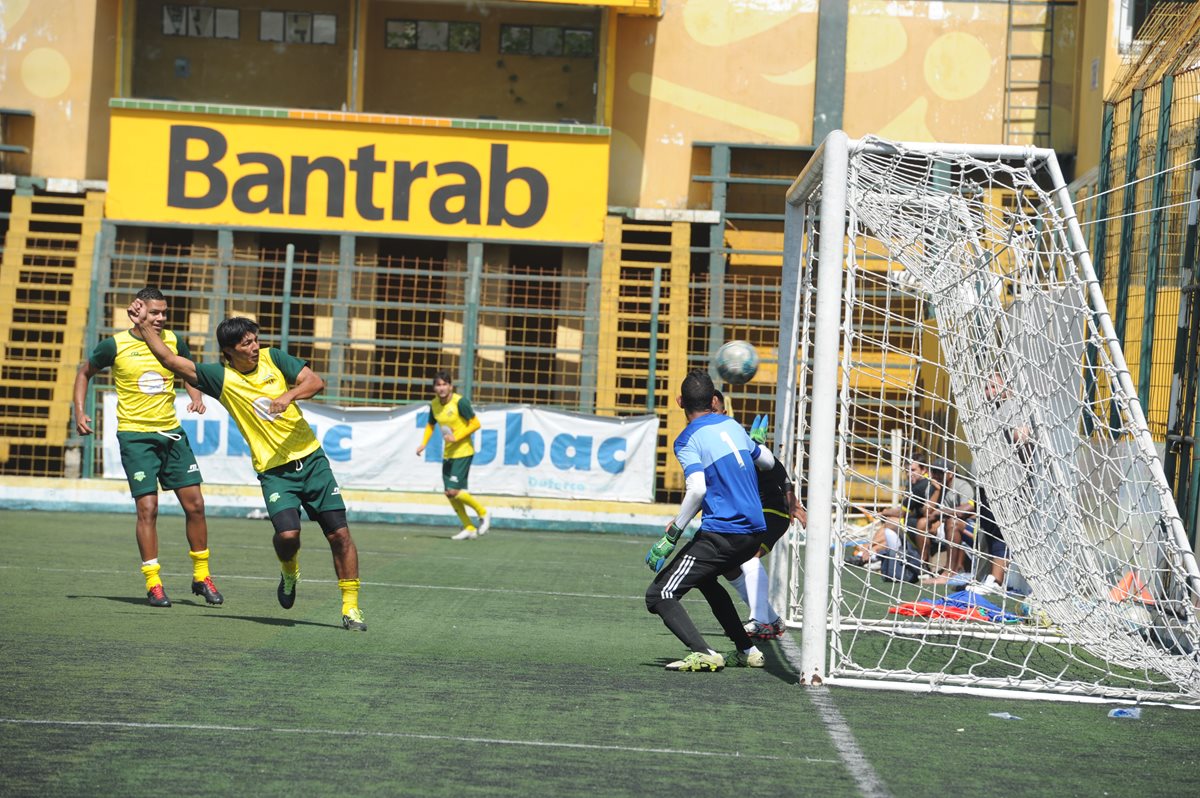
453 416
274 440
145 387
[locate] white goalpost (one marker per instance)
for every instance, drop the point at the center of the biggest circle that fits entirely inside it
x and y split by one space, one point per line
939 305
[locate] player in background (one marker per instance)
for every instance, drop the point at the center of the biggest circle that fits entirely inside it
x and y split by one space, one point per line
778 497
719 462
453 413
252 383
154 448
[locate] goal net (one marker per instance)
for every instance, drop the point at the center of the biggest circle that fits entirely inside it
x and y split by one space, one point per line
941 312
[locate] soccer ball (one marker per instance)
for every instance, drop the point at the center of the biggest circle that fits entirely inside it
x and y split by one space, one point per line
736 362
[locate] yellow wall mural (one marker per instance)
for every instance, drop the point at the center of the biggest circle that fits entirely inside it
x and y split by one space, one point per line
743 71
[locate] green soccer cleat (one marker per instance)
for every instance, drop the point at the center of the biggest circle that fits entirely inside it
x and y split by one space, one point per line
286 592
157 597
353 621
206 588
698 661
740 659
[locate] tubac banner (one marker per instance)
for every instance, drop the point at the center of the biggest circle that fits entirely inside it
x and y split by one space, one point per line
356 176
521 450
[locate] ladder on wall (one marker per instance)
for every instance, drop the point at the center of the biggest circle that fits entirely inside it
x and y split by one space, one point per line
1029 73
45 283
644 299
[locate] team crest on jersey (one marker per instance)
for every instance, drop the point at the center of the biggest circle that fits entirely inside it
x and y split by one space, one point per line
139 476
274 497
262 408
151 383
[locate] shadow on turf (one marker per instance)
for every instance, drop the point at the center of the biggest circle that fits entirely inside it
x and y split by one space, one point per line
776 664
187 603
142 601
274 621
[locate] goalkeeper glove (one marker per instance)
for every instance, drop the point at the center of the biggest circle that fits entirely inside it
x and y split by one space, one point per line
661 550
758 430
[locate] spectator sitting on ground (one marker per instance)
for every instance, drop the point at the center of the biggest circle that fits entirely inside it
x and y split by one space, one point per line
899 557
947 520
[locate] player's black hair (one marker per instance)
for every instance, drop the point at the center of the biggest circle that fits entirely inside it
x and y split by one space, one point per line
150 293
697 392
231 331
443 376
720 397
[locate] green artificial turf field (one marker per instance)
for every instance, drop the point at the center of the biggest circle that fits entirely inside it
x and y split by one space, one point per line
518 664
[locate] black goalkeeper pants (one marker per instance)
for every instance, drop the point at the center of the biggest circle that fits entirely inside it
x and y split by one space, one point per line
699 564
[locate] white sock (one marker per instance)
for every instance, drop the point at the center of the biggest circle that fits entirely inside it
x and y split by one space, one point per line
757 585
739 584
751 650
150 562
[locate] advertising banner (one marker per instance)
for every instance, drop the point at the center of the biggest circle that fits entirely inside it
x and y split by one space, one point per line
355 176
520 450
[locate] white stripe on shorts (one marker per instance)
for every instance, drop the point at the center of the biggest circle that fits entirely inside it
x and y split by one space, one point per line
668 590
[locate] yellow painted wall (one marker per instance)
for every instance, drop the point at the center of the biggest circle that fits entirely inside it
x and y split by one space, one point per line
1098 52
743 71
51 54
486 83
708 70
916 73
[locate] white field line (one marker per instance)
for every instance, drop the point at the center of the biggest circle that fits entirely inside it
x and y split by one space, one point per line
868 781
205 727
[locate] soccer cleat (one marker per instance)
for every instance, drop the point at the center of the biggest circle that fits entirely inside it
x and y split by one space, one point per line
765 631
286 593
987 587
698 661
207 589
485 523
157 597
740 659
466 534
353 621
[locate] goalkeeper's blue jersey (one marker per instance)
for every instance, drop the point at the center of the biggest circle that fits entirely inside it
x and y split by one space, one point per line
718 446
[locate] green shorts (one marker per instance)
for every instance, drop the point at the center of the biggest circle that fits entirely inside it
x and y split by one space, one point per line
307 482
154 458
455 471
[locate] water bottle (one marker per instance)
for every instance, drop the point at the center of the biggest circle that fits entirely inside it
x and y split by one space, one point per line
1126 712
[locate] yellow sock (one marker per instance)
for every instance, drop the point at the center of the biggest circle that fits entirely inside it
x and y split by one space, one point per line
150 570
199 565
291 567
461 512
349 588
472 502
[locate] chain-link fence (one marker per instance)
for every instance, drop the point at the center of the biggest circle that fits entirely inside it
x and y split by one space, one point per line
1142 209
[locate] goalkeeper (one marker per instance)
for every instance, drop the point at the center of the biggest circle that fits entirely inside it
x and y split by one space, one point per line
777 494
718 460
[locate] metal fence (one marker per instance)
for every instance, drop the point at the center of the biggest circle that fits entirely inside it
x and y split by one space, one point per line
377 317
1142 210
